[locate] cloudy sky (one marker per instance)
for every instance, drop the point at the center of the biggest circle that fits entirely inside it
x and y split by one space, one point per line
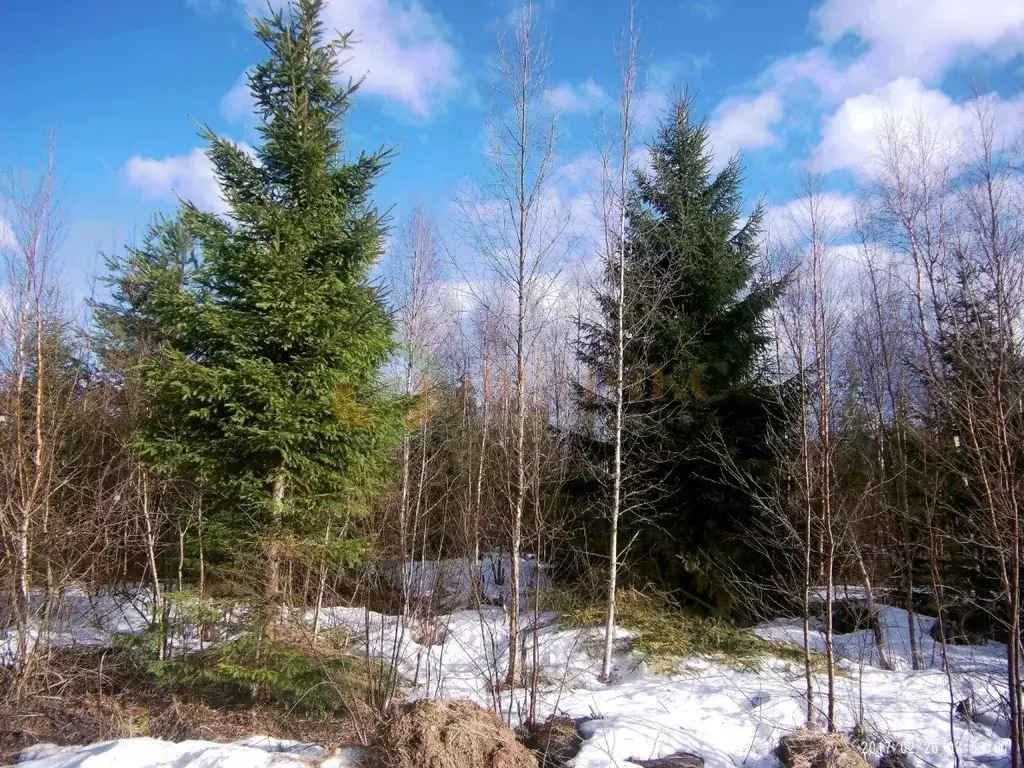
792 84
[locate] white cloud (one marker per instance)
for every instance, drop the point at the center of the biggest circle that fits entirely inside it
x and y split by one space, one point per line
850 136
577 99
790 222
189 177
869 51
745 123
709 10
662 82
899 38
7 237
237 105
919 38
583 171
204 7
404 50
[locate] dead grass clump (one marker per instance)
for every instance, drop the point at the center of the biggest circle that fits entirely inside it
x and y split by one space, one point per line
667 632
451 734
430 633
811 748
556 741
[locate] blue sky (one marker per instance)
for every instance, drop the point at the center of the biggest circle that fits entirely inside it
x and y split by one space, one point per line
793 84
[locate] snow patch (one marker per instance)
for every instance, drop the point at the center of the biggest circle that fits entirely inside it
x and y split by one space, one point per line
253 752
726 715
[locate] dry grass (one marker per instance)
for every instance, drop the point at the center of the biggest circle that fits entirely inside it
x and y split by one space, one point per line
88 695
812 748
666 633
451 734
555 741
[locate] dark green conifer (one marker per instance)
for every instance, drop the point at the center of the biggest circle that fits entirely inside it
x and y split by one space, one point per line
700 406
270 385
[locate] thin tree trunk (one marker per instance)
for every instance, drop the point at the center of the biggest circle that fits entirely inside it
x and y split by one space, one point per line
23 513
806 625
876 626
321 584
523 156
147 519
202 557
830 654
273 552
479 511
403 524
629 78
48 594
28 500
940 604
521 287
895 394
822 341
181 557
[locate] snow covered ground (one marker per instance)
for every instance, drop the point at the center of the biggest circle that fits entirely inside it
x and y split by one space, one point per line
254 752
84 619
729 716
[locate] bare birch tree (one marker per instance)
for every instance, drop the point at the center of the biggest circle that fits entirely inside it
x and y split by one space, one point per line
414 280
616 169
517 226
29 246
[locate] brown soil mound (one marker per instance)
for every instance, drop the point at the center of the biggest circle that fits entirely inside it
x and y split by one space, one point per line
451 734
811 748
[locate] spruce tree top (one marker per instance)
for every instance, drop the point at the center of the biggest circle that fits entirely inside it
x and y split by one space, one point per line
687 231
274 367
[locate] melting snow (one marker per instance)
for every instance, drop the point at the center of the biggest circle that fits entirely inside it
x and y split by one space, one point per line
728 716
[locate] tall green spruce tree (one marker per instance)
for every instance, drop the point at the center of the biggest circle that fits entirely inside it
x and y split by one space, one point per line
269 388
699 407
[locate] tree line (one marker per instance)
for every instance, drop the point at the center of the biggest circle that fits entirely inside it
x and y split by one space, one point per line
742 408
